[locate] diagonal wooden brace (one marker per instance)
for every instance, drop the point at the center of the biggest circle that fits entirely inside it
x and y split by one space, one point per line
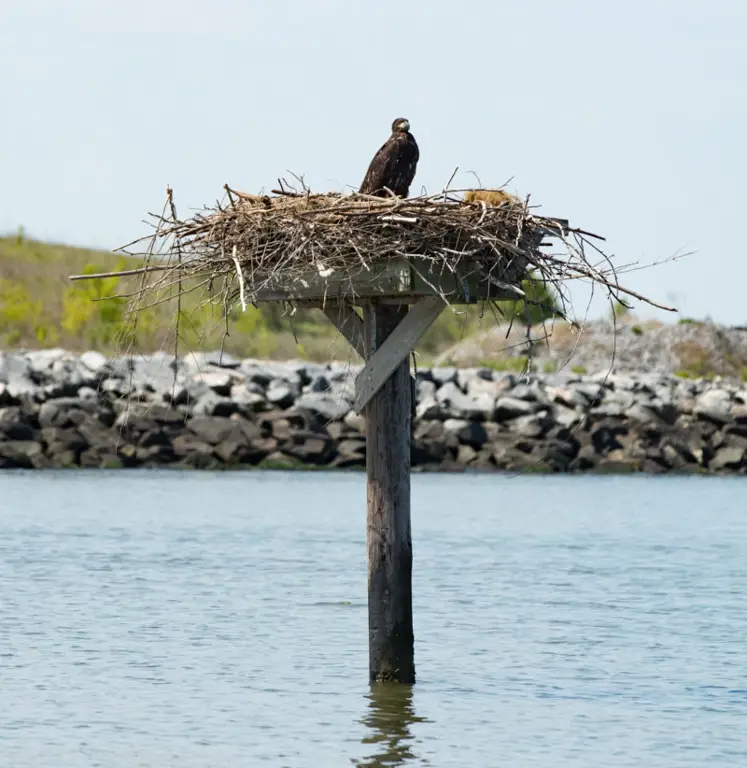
349 323
397 346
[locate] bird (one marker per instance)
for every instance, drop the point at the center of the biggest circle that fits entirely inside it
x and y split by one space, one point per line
493 197
393 166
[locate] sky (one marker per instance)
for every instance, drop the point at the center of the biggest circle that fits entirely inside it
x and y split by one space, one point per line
627 118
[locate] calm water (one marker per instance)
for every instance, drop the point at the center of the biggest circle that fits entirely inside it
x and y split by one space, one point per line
156 619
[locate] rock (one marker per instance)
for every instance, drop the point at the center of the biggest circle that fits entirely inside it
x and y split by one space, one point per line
247 399
466 454
12 364
217 359
320 384
67 411
457 405
21 454
428 408
566 417
568 397
280 394
216 429
533 425
728 457
15 424
605 438
56 440
189 444
738 412
5 397
714 405
219 382
355 421
470 433
309 448
510 407
425 390
20 387
351 453
325 406
212 404
94 361
237 449
444 375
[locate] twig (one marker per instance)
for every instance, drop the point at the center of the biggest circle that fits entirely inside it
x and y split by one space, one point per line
241 279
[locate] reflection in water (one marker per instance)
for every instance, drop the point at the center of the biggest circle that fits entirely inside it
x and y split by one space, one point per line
389 717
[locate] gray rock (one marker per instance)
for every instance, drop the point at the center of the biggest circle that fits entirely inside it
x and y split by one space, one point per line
429 408
533 425
87 393
425 389
212 404
216 429
472 434
728 457
41 361
219 382
61 412
458 405
355 421
714 405
280 394
567 417
320 383
21 387
569 397
94 361
510 407
5 396
21 454
455 426
444 375
247 399
218 359
13 365
325 406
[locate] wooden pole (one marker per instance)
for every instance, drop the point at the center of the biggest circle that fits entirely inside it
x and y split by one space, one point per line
389 540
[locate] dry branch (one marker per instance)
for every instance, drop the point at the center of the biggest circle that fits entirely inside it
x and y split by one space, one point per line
250 245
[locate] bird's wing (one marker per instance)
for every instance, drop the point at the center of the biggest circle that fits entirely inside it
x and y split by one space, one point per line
383 165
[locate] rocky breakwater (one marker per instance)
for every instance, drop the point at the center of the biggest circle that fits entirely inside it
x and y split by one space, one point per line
207 411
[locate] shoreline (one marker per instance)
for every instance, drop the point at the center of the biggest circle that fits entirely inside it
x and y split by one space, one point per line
63 410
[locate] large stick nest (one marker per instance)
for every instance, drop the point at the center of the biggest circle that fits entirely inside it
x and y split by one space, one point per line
250 242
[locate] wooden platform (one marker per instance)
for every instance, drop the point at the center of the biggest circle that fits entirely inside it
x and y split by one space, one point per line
399 281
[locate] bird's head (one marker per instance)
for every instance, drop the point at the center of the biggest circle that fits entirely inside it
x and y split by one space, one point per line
401 125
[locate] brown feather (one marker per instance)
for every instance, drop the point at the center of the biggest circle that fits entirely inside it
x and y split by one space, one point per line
393 166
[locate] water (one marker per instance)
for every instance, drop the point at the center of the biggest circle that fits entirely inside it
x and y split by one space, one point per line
195 620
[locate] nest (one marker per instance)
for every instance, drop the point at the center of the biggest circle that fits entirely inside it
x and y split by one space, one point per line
309 248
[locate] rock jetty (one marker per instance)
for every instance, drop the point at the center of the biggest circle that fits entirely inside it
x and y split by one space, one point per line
211 411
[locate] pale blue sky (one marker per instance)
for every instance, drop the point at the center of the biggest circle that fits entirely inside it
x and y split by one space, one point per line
628 118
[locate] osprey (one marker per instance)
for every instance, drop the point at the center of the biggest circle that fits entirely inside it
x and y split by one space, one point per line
393 166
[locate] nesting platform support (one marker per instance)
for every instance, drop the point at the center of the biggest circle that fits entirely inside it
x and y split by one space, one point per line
385 336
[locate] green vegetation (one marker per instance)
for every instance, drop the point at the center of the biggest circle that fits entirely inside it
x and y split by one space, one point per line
516 364
579 369
41 308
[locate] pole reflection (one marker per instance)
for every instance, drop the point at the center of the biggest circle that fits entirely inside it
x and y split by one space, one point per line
388 719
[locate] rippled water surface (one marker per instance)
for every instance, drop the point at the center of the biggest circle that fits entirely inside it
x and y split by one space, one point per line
177 619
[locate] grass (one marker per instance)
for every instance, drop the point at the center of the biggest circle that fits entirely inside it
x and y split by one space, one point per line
41 308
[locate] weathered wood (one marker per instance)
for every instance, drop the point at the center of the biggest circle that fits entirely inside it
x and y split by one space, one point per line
395 349
399 279
389 540
349 323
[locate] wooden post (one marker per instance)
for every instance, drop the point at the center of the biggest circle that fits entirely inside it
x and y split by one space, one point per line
389 540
